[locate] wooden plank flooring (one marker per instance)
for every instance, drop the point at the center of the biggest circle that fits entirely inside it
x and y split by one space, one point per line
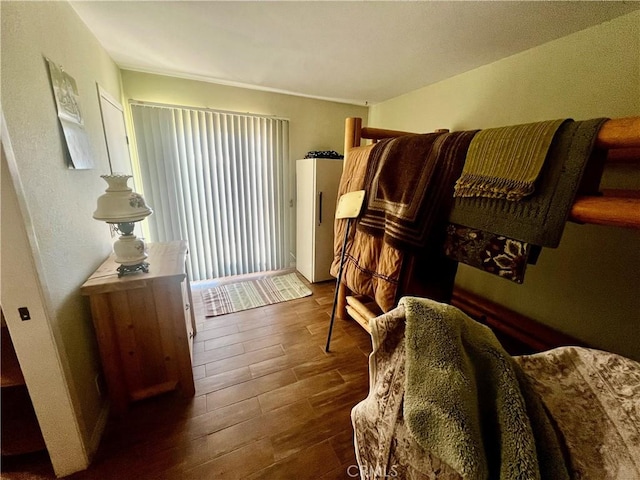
269 404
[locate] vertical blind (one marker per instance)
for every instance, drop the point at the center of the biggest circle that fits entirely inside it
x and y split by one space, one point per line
219 180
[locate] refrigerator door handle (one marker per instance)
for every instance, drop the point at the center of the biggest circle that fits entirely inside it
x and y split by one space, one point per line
320 208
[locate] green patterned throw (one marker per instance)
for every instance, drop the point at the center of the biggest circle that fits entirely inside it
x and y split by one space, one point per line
505 162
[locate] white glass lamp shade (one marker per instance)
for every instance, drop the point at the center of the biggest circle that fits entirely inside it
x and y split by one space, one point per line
120 204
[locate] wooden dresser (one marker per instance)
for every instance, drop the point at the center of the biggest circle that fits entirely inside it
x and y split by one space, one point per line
144 325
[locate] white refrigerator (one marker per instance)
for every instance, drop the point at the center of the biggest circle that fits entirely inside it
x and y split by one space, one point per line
317 181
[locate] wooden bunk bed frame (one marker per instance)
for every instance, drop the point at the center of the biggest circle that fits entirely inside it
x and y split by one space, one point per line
519 334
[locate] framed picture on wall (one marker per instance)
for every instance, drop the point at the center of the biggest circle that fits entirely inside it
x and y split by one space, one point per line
65 93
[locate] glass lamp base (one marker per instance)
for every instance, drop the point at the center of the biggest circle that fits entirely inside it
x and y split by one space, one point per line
130 250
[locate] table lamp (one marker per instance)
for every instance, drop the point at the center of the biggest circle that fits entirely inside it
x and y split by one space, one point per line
121 207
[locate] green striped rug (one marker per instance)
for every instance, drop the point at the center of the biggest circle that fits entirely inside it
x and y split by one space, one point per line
236 297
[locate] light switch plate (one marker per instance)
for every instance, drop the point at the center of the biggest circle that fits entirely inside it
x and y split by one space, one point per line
24 313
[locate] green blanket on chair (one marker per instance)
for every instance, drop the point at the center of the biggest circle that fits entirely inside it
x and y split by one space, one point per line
469 403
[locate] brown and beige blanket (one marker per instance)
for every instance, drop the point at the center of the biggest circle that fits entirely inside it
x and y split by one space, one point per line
409 182
372 267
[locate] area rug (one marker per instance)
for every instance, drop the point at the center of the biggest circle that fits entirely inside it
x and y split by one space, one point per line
236 297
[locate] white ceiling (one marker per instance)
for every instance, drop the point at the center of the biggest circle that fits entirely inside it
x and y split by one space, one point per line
354 51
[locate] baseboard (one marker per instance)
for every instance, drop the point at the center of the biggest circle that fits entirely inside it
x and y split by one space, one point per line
98 430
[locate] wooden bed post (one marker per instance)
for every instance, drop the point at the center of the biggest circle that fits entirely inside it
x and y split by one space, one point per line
341 305
352 132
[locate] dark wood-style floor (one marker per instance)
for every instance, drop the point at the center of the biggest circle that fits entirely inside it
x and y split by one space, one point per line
269 404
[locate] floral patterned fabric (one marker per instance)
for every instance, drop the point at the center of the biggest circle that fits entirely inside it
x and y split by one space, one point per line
592 396
487 251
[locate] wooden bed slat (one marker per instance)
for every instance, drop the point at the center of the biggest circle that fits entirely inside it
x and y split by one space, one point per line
364 305
362 309
613 211
381 133
620 133
358 317
624 156
519 334
617 133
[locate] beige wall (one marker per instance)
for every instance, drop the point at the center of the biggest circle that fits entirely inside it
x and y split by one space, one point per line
313 124
33 340
590 286
66 241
